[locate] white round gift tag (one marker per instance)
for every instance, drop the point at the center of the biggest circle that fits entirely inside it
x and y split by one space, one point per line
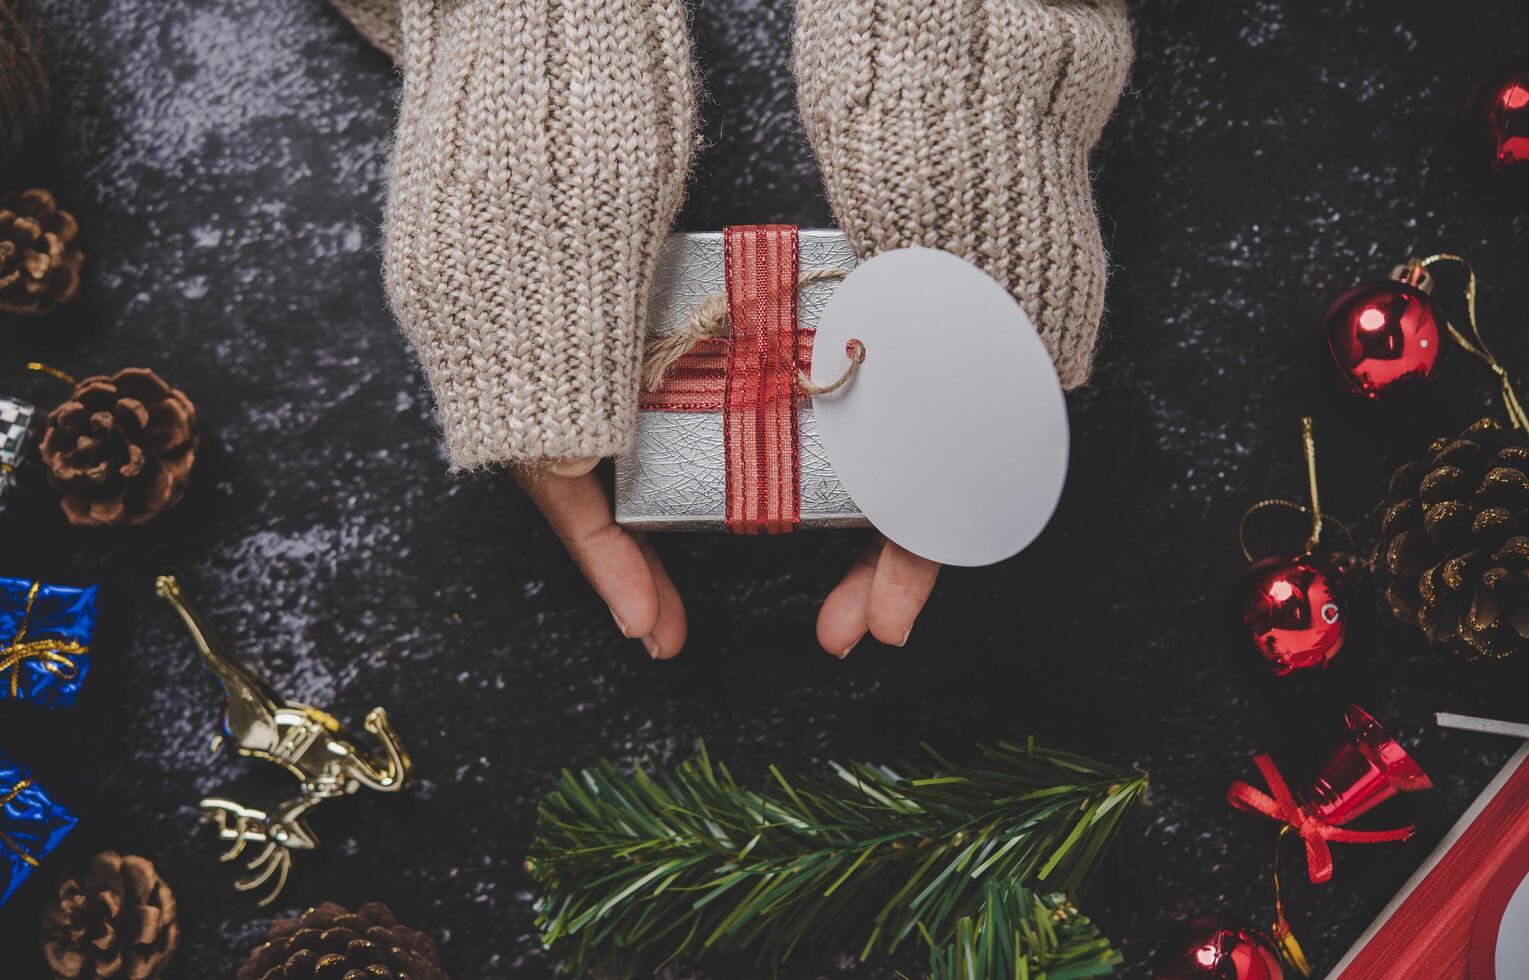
1512 957
952 436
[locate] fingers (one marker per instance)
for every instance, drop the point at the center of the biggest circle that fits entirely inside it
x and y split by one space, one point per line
623 570
668 633
842 622
882 594
571 467
898 593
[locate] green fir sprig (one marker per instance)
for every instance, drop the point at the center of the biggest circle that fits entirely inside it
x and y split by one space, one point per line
635 870
1019 935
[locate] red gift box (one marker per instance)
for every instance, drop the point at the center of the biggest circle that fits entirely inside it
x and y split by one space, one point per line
1447 921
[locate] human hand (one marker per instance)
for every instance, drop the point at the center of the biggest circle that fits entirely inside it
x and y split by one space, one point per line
621 565
882 594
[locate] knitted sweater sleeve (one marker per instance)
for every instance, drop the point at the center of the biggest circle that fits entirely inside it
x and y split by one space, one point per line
966 125
377 20
541 154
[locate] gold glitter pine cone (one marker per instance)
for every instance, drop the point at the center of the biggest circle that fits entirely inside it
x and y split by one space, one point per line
331 943
120 450
116 922
1453 554
39 259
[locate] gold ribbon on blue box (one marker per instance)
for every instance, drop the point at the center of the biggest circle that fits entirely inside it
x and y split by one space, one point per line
45 635
31 826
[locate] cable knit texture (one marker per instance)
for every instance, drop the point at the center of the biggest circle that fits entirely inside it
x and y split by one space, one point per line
377 20
541 154
966 125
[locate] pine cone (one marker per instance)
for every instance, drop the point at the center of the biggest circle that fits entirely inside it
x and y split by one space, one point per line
329 943
120 449
1454 542
39 262
116 922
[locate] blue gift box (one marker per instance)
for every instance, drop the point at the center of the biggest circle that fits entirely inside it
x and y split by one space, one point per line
31 826
45 634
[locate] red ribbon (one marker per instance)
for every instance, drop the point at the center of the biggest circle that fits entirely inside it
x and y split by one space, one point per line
751 377
1313 830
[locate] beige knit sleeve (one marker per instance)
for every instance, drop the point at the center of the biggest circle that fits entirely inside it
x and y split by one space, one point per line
966 125
377 20
541 154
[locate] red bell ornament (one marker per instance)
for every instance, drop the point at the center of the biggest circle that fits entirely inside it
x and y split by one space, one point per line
1386 336
1216 948
1367 769
1500 111
1295 607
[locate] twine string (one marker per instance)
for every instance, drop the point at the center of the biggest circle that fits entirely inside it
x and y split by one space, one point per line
708 321
854 349
1475 345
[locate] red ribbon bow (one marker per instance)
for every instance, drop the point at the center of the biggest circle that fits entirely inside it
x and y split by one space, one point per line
1313 830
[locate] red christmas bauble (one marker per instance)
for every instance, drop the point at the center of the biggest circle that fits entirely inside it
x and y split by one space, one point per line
1295 611
1214 948
1384 336
1501 107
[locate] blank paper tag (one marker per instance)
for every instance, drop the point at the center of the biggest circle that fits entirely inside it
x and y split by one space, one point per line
952 437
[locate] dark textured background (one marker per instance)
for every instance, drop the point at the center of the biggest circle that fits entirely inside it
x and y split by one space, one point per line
226 161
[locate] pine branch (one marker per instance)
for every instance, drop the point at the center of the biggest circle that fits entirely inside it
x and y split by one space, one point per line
635 870
1024 936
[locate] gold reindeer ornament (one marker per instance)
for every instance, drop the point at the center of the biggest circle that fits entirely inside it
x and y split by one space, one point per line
326 759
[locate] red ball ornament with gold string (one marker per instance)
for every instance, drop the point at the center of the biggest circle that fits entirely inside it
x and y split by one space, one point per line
1217 948
1499 108
1386 337
1295 606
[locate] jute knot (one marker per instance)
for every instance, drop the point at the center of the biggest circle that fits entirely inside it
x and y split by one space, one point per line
708 321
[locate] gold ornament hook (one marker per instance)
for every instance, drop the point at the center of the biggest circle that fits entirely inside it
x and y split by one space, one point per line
53 373
1284 938
1478 349
1318 518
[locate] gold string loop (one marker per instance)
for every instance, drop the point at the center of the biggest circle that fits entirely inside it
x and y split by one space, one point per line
1475 345
52 372
54 655
1319 520
1284 939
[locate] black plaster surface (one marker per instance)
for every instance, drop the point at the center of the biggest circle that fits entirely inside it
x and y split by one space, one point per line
226 161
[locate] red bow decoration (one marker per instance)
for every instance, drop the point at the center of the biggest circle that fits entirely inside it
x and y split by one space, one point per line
1313 830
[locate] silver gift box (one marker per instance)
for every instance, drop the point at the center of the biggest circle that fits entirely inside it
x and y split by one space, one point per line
16 430
673 478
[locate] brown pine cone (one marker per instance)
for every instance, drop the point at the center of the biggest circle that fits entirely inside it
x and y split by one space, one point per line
120 449
1454 542
39 261
118 921
329 943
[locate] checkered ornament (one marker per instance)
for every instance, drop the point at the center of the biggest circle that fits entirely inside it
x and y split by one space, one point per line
16 432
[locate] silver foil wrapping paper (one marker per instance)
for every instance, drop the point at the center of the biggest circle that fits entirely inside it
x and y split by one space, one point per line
673 478
16 432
